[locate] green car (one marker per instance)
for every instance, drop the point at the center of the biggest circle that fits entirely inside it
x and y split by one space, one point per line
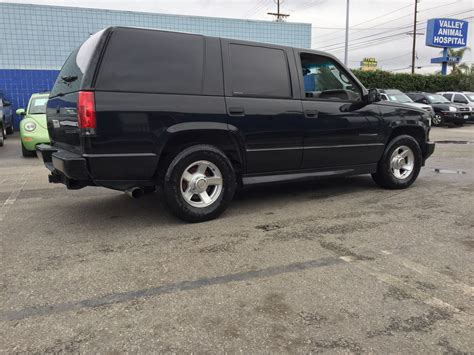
33 129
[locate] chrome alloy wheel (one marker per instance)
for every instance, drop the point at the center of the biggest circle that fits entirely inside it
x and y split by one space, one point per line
402 162
437 120
201 184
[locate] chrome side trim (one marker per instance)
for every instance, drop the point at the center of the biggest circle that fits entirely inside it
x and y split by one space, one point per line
344 146
303 175
272 149
314 147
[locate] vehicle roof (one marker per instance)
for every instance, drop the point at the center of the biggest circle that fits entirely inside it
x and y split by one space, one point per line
385 90
40 94
456 92
308 50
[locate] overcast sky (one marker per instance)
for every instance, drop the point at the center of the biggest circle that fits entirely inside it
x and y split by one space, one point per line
378 27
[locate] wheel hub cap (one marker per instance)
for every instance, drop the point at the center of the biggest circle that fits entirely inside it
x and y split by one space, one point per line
201 184
402 162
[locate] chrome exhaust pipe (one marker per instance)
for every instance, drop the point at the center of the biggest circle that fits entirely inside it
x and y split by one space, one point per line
135 192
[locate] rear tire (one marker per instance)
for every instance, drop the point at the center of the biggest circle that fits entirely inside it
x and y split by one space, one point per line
199 183
9 130
27 153
400 164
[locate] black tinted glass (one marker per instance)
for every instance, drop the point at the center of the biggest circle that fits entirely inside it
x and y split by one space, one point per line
259 71
71 74
153 61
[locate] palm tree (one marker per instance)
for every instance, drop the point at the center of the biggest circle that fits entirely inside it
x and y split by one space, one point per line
457 68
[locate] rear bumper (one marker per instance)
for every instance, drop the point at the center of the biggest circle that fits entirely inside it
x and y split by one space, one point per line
116 171
71 165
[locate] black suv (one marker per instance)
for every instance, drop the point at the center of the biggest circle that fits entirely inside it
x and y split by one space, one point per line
134 109
445 110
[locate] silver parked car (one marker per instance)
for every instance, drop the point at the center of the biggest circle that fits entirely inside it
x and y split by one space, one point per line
461 97
395 95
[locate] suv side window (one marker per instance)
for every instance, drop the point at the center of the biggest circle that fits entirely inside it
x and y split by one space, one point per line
323 78
448 96
153 61
460 99
259 72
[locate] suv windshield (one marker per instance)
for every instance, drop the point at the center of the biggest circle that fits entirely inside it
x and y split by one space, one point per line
397 96
70 77
437 99
38 105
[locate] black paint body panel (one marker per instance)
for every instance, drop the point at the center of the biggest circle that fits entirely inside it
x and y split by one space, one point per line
268 138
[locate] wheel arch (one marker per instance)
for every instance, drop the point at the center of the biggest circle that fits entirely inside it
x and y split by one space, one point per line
415 131
216 135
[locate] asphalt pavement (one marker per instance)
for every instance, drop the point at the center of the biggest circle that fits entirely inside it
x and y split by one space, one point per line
332 266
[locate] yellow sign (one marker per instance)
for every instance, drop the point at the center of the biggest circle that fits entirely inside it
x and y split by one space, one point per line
368 64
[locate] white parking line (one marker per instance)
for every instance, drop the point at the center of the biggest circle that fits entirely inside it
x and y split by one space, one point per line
371 269
13 196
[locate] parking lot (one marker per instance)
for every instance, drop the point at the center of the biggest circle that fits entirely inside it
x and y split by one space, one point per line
328 266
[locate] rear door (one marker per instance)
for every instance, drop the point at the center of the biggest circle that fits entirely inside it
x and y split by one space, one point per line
263 106
61 110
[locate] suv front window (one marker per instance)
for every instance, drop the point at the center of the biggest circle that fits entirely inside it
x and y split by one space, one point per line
323 78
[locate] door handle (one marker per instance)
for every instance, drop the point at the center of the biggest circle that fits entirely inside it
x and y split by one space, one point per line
236 111
311 113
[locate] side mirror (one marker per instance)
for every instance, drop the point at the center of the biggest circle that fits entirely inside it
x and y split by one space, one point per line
21 112
372 96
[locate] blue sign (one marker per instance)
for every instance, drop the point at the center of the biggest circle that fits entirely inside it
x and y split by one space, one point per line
448 59
446 32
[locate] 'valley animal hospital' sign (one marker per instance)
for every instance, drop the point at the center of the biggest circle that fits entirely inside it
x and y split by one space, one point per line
446 33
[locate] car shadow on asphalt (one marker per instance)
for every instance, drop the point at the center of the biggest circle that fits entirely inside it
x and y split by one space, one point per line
151 210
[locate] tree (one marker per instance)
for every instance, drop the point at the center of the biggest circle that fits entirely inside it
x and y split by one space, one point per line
457 68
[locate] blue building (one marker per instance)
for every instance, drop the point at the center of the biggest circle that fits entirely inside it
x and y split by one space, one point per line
37 39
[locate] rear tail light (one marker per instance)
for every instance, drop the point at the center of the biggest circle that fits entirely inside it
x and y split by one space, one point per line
86 112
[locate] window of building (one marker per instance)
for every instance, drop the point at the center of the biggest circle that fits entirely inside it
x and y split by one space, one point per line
259 72
323 78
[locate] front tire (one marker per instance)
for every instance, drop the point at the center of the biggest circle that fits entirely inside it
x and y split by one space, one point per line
27 153
9 130
400 164
199 183
437 120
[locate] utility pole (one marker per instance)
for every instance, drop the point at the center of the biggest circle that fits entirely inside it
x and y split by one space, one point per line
346 45
279 16
413 53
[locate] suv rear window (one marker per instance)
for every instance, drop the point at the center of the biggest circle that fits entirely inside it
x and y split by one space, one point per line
151 61
71 74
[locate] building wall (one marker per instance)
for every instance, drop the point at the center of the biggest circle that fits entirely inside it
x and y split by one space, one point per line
37 39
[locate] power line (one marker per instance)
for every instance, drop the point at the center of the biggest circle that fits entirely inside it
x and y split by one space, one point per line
395 19
382 39
279 16
375 18
339 44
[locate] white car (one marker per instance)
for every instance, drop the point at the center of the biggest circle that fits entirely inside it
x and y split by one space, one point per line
395 95
461 97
